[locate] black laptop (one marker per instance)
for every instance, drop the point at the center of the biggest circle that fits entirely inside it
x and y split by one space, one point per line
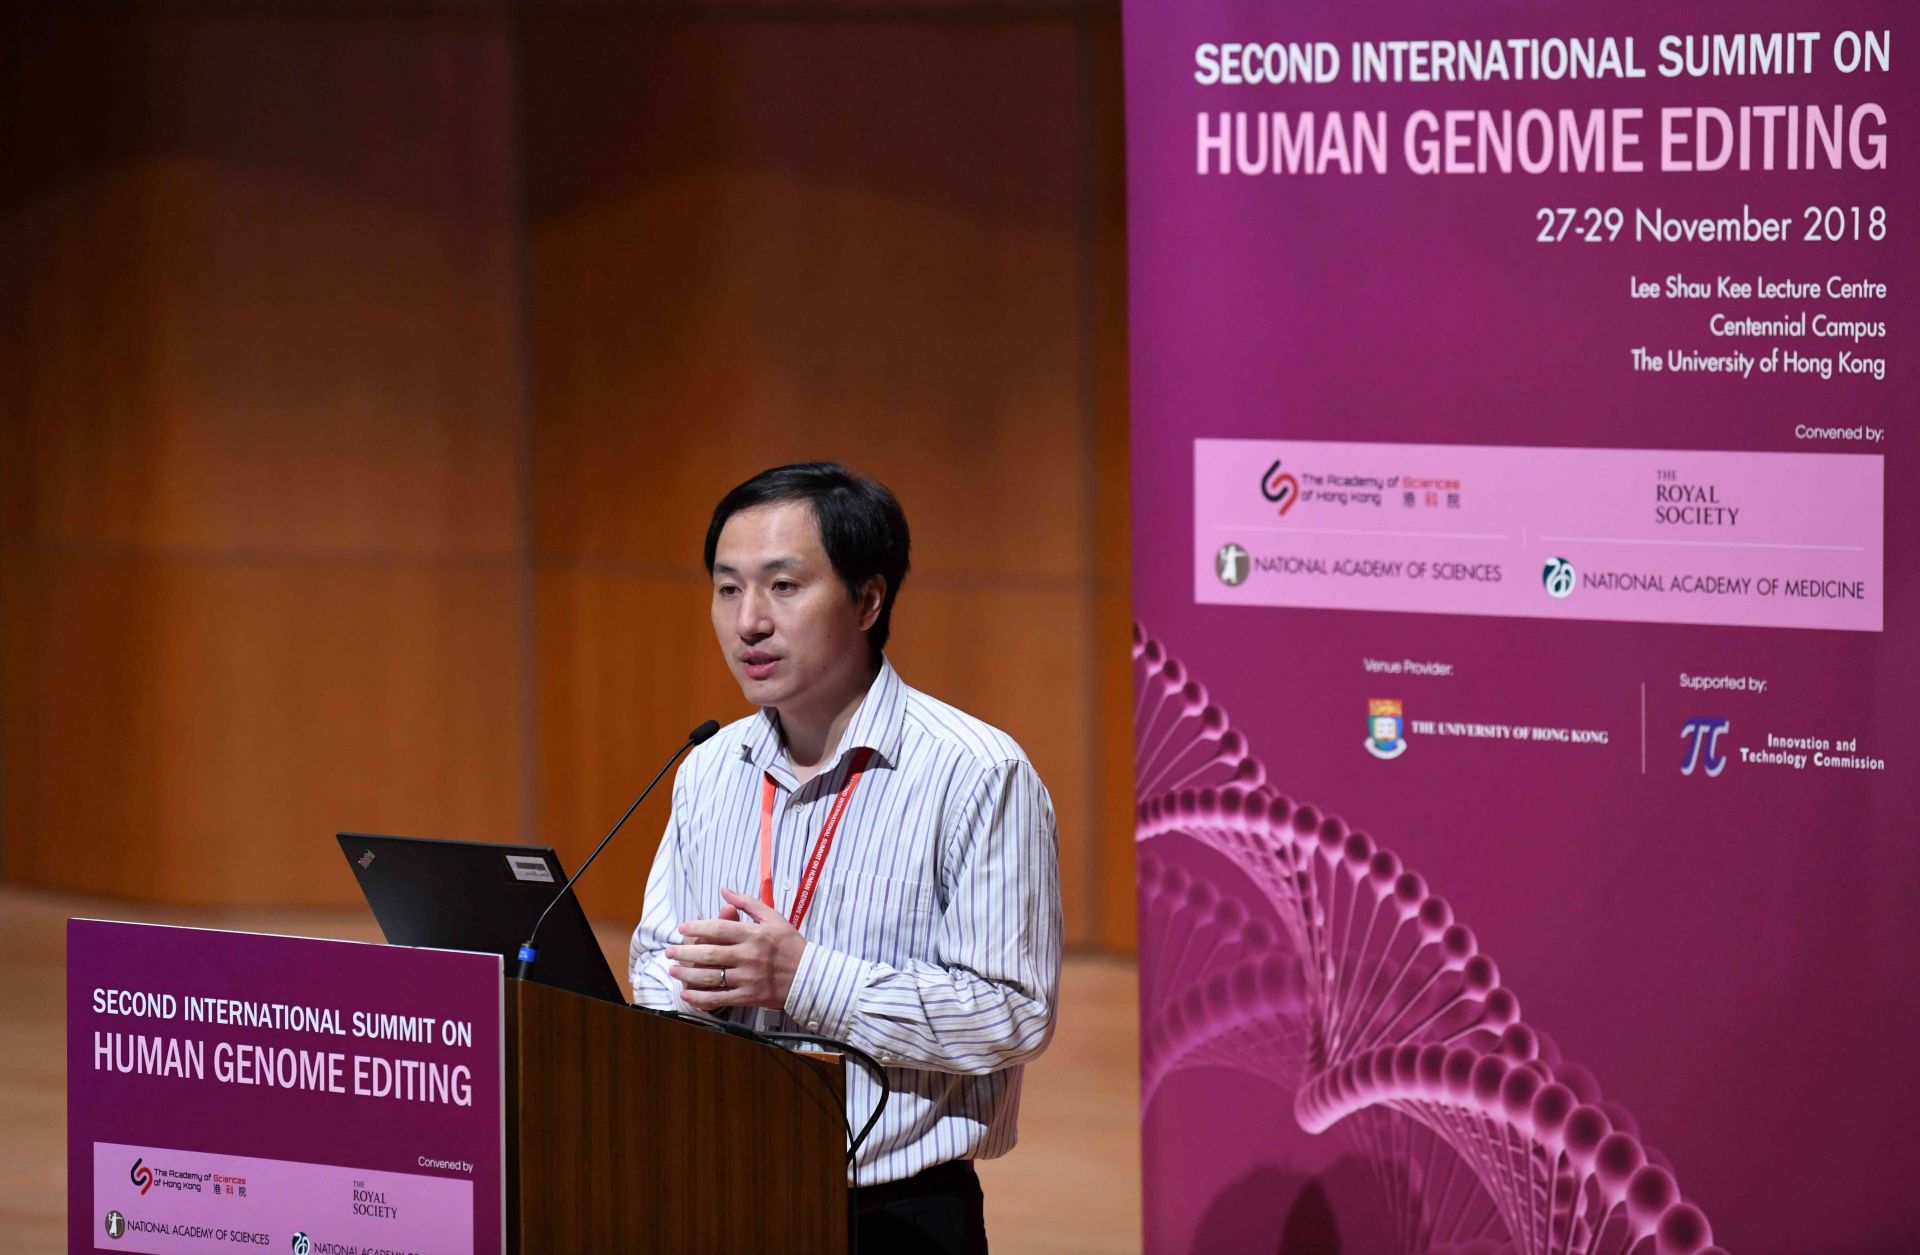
476 895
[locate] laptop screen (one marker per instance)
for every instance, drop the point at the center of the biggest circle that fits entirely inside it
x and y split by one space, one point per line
480 896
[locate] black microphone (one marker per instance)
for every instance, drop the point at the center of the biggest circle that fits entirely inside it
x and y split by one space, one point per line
529 953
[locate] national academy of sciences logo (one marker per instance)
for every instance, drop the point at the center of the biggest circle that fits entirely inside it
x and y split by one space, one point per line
1231 564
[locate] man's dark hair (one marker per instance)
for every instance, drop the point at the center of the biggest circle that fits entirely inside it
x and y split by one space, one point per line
862 527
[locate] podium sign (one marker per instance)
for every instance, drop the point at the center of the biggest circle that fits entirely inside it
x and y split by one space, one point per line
237 1092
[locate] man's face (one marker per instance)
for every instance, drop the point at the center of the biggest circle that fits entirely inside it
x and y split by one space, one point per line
784 619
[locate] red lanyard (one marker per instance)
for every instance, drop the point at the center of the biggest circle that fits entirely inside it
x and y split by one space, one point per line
803 898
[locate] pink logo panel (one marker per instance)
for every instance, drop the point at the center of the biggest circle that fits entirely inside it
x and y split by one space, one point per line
1644 535
179 1200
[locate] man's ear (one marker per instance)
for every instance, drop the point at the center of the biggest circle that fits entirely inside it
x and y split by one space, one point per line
873 595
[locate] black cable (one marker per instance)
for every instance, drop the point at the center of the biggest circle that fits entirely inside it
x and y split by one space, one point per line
867 1061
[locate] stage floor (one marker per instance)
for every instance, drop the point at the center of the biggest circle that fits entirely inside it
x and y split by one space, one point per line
1072 1185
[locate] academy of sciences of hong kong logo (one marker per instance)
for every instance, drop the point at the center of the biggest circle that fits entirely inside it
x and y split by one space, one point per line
1280 487
1386 728
302 1244
116 1225
141 1175
1232 564
1702 736
1558 578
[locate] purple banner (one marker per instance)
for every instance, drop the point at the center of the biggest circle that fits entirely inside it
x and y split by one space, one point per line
1524 642
232 1091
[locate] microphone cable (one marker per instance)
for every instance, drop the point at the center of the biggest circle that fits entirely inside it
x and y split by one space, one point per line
867 1061
777 1040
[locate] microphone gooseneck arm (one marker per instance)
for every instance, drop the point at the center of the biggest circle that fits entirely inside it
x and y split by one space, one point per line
529 952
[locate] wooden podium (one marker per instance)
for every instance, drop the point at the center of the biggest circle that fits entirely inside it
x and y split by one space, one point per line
633 1132
297 1093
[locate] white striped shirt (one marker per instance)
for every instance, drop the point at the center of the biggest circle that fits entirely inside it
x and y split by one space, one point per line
933 941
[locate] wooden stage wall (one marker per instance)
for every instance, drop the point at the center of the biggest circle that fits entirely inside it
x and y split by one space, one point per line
367 373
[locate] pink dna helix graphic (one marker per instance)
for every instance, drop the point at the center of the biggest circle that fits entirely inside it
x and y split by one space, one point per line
1326 966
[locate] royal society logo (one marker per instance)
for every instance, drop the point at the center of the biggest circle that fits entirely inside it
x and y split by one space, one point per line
1231 564
1280 487
1558 578
1385 728
1703 746
116 1225
141 1175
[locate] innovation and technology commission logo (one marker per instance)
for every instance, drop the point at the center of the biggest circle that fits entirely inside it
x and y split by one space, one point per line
1702 735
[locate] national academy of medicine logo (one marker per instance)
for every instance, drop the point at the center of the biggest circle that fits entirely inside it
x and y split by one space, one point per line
1558 578
302 1244
1386 728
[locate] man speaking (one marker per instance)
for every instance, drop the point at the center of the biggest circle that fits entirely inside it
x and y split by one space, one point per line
858 860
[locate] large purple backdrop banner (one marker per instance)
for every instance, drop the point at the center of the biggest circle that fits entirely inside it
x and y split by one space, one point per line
237 1092
1525 637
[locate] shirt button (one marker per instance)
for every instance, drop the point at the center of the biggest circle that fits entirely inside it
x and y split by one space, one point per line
813 1025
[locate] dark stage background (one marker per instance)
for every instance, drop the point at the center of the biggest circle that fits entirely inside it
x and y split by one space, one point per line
367 372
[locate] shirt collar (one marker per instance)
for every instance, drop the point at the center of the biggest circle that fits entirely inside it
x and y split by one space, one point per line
876 725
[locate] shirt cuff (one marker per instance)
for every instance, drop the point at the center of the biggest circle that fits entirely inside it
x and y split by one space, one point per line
652 987
825 990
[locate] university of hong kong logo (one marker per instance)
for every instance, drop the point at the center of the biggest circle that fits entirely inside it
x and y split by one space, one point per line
1385 728
116 1225
1280 487
141 1175
1231 564
1558 578
1703 745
